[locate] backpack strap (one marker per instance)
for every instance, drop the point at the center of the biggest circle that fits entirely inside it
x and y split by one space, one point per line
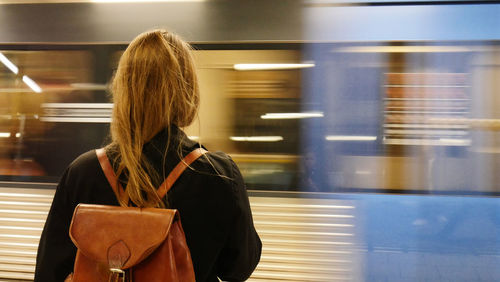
164 187
178 170
110 175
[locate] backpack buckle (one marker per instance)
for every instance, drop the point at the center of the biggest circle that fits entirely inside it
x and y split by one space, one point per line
119 273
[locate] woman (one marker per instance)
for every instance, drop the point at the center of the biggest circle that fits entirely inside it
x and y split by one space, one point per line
155 91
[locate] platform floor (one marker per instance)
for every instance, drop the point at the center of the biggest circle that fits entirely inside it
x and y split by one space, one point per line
304 239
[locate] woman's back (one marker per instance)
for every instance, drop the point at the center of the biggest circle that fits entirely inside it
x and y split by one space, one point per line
214 210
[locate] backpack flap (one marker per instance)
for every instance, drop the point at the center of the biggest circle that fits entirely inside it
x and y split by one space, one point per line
119 237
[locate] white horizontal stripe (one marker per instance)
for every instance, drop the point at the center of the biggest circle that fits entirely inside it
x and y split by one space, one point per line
303 233
303 242
285 276
429 142
246 67
12 252
22 220
291 115
301 214
21 261
301 224
82 120
16 203
14 236
79 105
429 126
24 212
350 138
426 132
257 138
27 195
280 266
21 228
89 86
18 244
286 250
302 258
278 205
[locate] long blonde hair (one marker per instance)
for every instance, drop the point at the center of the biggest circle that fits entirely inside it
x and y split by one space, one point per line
155 86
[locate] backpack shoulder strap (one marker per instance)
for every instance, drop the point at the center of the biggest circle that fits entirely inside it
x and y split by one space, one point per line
110 174
164 187
178 170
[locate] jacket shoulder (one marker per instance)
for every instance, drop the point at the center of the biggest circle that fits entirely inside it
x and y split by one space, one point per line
220 164
85 162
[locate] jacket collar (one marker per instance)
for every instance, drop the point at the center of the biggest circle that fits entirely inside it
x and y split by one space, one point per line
172 135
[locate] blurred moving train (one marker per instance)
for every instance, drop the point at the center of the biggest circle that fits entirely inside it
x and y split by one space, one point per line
366 159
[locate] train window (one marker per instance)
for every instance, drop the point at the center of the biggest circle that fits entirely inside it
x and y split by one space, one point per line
245 97
405 118
40 129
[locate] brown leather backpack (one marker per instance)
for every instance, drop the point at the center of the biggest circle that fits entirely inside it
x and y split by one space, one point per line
131 244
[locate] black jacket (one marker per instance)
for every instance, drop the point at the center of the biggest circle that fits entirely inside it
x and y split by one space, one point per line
214 210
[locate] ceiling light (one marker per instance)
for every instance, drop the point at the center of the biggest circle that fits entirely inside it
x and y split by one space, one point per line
32 84
350 138
291 115
4 134
246 67
8 64
256 138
